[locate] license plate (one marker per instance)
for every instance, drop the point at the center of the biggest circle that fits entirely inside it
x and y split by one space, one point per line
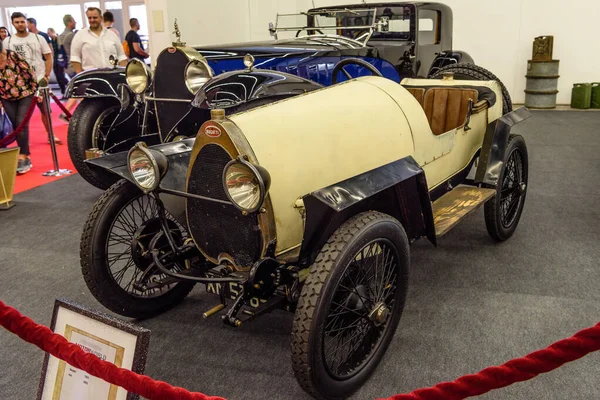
232 290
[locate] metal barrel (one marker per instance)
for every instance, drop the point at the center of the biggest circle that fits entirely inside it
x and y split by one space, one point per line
542 83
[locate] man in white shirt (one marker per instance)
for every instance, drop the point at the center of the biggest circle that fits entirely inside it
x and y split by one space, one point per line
93 46
35 50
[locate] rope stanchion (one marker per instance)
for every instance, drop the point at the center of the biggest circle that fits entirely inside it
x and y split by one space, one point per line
9 138
517 370
59 347
46 93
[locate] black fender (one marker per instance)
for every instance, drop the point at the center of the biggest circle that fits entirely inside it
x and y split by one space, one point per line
448 58
97 83
493 150
238 88
398 189
178 155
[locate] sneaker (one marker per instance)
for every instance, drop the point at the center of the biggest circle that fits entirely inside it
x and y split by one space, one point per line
24 166
63 118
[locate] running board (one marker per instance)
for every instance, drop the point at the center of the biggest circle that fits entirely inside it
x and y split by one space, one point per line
455 205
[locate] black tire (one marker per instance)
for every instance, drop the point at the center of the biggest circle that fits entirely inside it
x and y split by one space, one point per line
332 266
503 211
473 72
94 257
80 138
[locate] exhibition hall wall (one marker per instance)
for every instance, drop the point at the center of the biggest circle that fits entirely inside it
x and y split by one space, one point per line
498 35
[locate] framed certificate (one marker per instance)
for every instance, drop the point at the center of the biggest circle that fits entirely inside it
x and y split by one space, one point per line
109 338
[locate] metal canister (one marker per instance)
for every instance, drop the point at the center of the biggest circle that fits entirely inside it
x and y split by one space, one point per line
581 95
542 75
595 101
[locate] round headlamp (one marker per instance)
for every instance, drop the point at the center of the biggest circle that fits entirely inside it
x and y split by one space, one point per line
197 73
137 75
246 185
146 166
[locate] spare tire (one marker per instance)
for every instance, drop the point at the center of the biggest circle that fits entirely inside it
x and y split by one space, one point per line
477 73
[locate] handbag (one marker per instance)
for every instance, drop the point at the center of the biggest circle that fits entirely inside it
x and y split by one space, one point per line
6 127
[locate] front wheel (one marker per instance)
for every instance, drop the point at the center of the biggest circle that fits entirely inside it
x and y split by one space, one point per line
464 71
503 211
115 253
350 305
87 129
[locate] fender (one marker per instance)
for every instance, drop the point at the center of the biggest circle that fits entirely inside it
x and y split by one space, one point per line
494 146
177 153
237 88
448 58
398 189
96 83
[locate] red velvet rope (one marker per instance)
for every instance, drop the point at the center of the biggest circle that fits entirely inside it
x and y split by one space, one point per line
517 370
59 347
4 142
61 106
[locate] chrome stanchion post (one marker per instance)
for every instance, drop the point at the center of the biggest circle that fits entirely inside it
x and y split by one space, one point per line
45 91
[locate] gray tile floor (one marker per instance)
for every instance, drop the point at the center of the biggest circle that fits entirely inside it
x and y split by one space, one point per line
472 302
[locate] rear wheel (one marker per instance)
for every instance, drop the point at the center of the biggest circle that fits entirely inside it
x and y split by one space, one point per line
87 129
350 305
503 211
474 72
114 253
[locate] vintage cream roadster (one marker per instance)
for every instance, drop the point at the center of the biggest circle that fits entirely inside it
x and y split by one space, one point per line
310 209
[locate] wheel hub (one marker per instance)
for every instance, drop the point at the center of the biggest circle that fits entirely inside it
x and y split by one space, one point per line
522 187
379 314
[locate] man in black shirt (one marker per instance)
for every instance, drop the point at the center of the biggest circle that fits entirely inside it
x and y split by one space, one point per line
59 71
136 50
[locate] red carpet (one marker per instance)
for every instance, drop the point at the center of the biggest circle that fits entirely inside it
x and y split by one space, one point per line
41 156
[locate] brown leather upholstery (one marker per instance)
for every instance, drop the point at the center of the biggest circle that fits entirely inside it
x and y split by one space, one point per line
419 94
446 108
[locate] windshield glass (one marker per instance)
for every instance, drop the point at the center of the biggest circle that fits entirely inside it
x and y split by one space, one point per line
359 24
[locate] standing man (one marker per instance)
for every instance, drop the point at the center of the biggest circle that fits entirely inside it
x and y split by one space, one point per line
59 70
65 39
109 20
136 50
93 46
32 27
36 52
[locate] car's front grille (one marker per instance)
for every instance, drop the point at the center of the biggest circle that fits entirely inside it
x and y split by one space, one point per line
218 228
169 83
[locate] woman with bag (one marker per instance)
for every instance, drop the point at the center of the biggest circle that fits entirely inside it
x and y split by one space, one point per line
18 87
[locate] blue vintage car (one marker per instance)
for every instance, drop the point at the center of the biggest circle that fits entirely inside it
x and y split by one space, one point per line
321 47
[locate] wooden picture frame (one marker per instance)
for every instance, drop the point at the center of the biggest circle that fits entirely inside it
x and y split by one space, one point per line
111 339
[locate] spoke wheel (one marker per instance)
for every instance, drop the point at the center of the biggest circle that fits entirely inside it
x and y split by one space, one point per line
102 126
115 254
358 313
503 211
350 305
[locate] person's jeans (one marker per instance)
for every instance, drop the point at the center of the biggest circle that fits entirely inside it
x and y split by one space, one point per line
16 110
59 72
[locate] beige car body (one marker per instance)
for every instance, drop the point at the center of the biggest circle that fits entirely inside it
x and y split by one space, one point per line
329 135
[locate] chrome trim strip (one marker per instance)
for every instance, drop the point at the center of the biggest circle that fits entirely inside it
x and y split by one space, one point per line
169 100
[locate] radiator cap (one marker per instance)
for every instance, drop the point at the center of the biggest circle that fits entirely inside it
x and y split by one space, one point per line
217 114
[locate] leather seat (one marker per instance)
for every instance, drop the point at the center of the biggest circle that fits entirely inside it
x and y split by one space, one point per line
446 108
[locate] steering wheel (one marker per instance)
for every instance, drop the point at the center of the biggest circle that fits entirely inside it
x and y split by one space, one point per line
339 67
